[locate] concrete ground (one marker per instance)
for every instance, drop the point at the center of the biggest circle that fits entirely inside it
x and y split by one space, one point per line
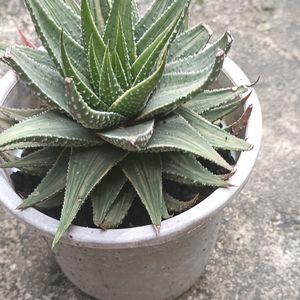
257 255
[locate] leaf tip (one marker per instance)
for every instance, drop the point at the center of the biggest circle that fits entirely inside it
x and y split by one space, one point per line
157 229
208 29
254 83
69 84
229 37
24 40
20 207
7 53
229 175
220 53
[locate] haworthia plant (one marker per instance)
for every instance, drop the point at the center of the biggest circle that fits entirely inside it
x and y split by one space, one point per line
126 106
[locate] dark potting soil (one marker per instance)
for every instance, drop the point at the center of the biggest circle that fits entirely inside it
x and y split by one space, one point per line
137 215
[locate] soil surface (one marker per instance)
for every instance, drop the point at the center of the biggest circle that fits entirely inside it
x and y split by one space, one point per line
257 255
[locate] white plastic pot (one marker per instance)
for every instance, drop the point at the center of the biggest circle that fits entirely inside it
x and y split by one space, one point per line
134 264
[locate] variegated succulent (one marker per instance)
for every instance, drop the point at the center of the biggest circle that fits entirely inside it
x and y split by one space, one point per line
125 105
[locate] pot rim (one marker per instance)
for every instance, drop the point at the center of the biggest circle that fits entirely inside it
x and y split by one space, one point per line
183 223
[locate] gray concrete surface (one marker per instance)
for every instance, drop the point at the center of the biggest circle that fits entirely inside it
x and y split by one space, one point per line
258 251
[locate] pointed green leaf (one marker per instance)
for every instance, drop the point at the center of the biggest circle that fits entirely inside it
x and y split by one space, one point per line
49 33
175 134
87 116
110 89
120 72
177 206
131 138
86 169
30 64
165 213
101 9
190 42
120 208
144 171
74 5
123 52
26 164
105 194
214 135
176 88
152 14
51 202
41 158
121 9
184 26
20 114
184 168
94 66
63 16
51 127
145 63
135 99
201 59
83 89
173 12
53 182
219 112
27 145
89 29
214 98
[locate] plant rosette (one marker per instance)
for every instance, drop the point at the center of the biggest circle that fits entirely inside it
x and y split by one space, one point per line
119 107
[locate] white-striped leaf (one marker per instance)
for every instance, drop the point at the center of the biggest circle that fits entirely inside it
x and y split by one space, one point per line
53 182
105 194
121 11
184 168
135 99
177 135
20 114
190 42
87 116
51 202
80 81
86 169
176 88
214 135
215 98
37 70
45 157
131 138
144 171
177 206
120 208
49 33
49 127
173 12
201 59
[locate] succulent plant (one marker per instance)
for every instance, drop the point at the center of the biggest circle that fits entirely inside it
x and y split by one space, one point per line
125 104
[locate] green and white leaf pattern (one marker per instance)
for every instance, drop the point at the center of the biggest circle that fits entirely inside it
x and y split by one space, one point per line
112 84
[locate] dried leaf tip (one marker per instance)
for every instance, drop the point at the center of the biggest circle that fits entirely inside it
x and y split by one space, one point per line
157 229
7 53
254 83
229 175
24 40
220 53
209 30
229 37
69 83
